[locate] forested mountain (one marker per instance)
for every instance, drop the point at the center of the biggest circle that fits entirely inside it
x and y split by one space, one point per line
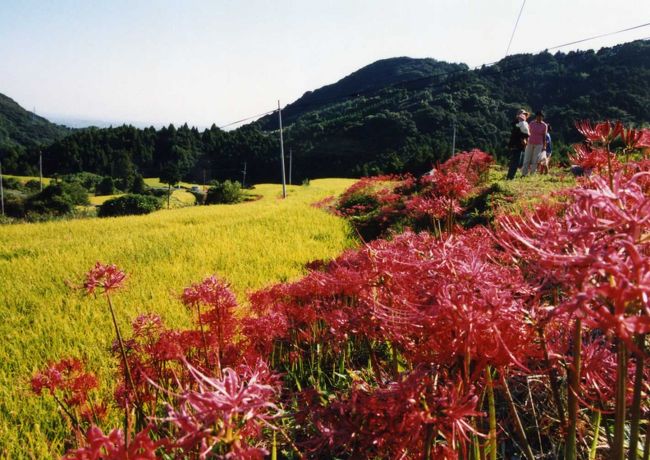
367 80
409 125
20 130
391 116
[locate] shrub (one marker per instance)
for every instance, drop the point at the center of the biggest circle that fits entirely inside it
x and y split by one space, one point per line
57 199
87 180
14 204
225 192
129 205
199 195
33 185
105 187
138 187
11 183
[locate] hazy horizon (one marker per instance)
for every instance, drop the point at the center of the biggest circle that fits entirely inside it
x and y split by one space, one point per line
202 62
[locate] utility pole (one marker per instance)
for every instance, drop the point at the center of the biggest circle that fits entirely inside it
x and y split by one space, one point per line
40 154
453 140
40 167
290 164
284 180
243 182
2 193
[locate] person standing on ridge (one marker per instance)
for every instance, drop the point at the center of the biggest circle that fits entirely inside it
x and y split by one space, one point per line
545 159
518 139
536 144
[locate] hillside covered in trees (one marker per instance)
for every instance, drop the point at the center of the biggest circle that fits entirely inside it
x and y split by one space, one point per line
391 116
22 131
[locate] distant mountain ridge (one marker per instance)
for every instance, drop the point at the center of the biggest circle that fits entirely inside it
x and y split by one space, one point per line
21 127
391 116
407 125
373 77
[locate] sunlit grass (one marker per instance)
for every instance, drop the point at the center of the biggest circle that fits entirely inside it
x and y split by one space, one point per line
531 190
25 179
250 244
155 182
101 199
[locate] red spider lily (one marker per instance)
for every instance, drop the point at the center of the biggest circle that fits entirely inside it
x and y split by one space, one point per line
393 421
473 164
210 292
106 277
598 372
147 325
67 376
604 132
230 410
620 301
598 245
448 184
415 291
432 207
112 446
221 302
635 138
591 159
645 139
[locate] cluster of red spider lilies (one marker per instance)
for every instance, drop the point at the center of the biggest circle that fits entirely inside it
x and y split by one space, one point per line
528 339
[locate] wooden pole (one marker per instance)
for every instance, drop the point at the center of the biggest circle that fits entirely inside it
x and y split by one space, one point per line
2 193
40 167
243 183
453 141
284 180
290 164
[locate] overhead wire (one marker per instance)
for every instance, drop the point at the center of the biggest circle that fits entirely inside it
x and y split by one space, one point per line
515 28
600 36
320 101
248 118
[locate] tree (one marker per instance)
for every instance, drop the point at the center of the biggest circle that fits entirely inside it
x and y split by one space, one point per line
175 169
105 187
138 186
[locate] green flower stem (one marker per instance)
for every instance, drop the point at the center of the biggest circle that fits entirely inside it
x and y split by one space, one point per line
619 421
635 414
574 390
492 436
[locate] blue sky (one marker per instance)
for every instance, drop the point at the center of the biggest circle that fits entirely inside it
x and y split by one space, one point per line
205 61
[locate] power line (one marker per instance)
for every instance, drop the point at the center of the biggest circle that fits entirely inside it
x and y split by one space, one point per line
448 73
268 112
515 29
600 36
431 77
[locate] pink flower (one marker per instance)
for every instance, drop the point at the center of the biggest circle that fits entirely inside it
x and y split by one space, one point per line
603 133
106 277
211 292
67 376
112 446
598 250
635 138
229 410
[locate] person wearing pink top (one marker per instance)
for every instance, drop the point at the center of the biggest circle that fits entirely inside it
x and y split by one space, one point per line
536 144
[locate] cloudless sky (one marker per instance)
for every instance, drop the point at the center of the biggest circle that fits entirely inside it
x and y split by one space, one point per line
216 61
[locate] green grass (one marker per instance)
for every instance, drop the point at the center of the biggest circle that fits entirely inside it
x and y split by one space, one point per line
528 191
25 179
155 182
250 244
101 199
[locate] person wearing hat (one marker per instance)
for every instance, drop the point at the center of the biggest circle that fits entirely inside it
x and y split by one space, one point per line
518 139
536 144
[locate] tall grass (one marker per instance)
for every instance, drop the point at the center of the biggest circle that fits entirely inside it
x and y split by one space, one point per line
250 244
